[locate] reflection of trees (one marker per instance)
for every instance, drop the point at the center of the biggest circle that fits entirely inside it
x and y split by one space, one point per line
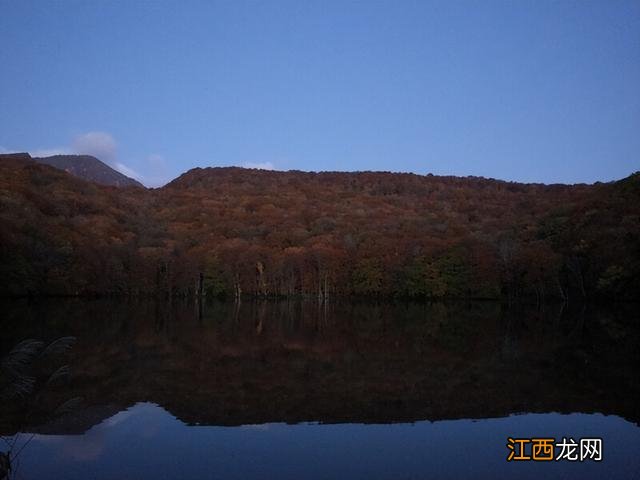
229 363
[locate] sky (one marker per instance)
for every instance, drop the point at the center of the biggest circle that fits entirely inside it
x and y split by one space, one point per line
527 90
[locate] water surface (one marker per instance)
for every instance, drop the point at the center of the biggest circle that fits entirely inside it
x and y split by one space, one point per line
301 390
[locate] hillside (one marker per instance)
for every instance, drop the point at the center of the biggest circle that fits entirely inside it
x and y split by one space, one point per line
232 231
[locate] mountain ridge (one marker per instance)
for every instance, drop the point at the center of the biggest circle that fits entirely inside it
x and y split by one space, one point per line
221 170
77 165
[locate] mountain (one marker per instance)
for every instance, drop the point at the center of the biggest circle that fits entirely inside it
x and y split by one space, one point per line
89 168
234 231
81 166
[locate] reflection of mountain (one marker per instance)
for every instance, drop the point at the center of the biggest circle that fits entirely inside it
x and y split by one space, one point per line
288 362
147 442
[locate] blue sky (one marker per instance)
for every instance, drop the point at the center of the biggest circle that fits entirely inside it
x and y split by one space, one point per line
535 91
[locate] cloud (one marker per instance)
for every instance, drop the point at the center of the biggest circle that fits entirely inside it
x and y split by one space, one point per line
99 144
260 166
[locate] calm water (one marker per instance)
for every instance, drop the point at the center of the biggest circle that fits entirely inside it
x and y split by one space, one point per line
298 390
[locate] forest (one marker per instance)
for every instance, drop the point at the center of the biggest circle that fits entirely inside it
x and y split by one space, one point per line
233 232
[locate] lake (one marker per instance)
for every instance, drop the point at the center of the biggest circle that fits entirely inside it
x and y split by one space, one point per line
298 389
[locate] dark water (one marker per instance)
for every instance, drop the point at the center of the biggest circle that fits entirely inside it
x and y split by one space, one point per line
301 390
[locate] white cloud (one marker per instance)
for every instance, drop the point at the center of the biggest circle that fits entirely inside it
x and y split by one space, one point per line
260 166
99 144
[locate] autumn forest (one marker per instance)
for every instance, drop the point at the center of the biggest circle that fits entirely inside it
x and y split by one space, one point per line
231 232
